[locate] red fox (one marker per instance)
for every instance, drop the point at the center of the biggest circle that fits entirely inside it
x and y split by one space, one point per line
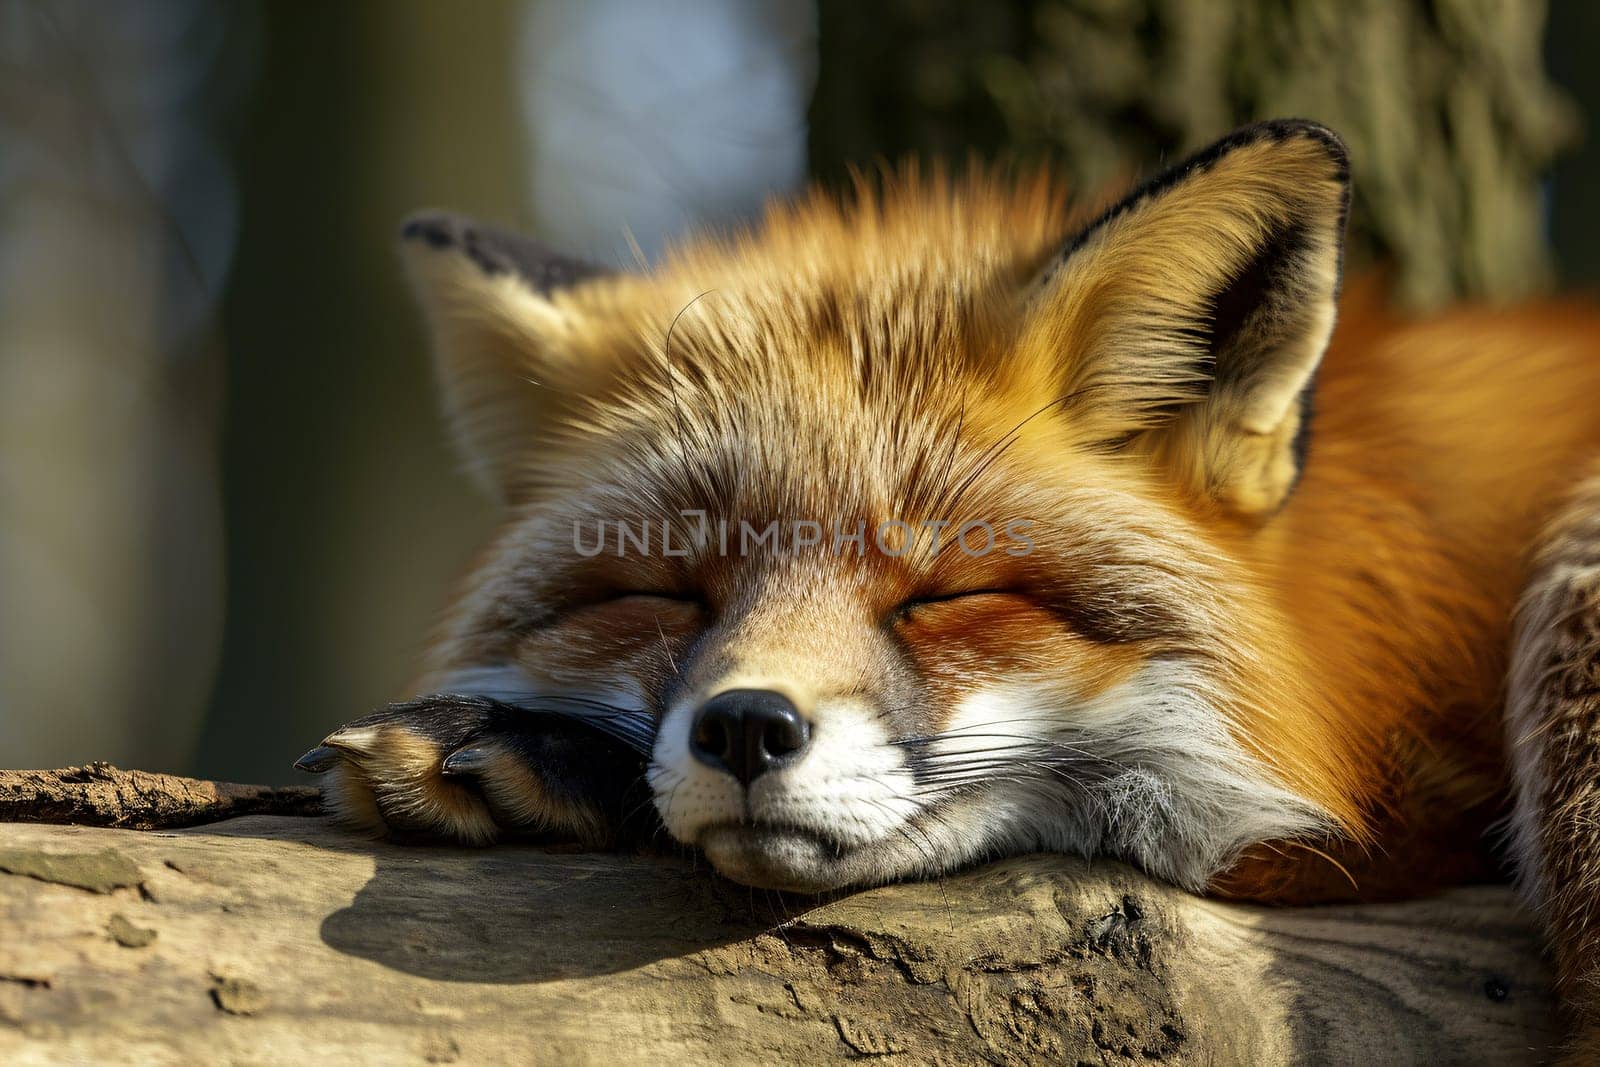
949 520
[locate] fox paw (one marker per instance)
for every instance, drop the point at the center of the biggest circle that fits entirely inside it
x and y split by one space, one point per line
472 770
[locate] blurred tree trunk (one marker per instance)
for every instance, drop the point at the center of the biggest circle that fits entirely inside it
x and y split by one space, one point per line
347 518
1450 117
116 233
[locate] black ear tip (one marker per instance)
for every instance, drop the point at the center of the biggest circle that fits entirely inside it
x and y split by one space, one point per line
497 252
436 229
1298 127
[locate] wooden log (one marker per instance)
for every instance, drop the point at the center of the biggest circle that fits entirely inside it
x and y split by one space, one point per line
281 939
98 794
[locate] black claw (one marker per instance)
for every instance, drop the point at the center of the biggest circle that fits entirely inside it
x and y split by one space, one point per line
465 761
319 759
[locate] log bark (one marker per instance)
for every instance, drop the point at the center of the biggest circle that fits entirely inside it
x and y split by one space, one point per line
281 939
98 794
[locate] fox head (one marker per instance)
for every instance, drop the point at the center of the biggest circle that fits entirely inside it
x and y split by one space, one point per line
920 526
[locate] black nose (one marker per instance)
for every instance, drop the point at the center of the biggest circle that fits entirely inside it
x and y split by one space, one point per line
747 732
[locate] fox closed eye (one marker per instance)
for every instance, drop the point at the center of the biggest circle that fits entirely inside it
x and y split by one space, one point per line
909 606
641 595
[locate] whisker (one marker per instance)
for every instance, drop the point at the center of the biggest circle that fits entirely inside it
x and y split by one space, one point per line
671 662
996 450
689 480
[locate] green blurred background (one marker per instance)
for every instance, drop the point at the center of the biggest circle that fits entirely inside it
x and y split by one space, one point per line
228 511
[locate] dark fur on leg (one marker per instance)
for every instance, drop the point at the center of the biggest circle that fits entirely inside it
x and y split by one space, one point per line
475 770
1553 740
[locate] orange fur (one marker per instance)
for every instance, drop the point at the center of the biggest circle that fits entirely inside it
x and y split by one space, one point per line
1442 446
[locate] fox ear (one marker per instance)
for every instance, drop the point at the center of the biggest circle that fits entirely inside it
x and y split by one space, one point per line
491 301
1190 318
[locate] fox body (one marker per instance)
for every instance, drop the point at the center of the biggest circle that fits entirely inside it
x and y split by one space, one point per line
1257 651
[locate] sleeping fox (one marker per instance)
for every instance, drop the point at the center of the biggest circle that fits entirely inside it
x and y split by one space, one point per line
950 521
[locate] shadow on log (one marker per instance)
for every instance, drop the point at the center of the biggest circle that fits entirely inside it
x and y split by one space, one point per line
278 939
